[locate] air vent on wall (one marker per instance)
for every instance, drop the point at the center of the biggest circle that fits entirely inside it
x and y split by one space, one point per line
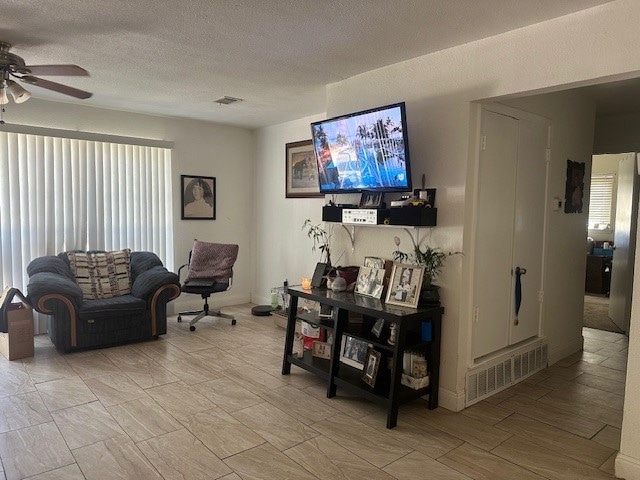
500 373
228 100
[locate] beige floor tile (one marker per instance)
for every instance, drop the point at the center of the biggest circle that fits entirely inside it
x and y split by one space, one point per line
279 429
143 418
115 389
44 369
64 393
551 464
580 406
616 363
14 379
146 373
569 422
86 424
70 472
253 379
500 396
91 364
578 448
486 412
465 428
416 466
221 433
601 383
117 458
609 466
355 407
581 356
219 359
481 465
192 370
180 399
330 461
231 476
227 394
264 462
602 335
613 349
530 390
357 437
181 455
299 378
33 450
602 371
299 404
161 351
584 394
187 342
609 437
23 410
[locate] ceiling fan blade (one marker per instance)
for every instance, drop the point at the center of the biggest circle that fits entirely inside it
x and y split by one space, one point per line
69 70
56 87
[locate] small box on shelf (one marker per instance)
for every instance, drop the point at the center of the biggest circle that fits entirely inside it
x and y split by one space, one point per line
413 382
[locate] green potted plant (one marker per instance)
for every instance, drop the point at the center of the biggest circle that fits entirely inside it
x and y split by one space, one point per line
320 239
432 259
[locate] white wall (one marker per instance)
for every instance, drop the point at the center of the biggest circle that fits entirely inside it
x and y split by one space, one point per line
617 134
282 248
200 148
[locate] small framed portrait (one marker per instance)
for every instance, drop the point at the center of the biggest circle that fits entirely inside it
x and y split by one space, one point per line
374 262
405 285
371 364
198 197
353 351
321 350
371 200
301 170
370 281
574 187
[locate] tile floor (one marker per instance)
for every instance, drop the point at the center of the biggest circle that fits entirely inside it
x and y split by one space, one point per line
212 404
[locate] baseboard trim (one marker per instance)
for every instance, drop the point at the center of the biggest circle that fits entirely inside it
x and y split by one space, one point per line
558 353
450 400
627 467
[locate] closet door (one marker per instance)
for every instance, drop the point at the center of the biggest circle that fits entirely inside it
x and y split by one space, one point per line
510 230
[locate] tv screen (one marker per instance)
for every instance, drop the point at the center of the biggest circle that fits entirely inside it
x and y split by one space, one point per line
363 151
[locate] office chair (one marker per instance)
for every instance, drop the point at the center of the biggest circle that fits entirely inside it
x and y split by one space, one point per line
210 270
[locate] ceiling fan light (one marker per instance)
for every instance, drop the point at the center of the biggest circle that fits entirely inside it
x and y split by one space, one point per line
19 94
3 95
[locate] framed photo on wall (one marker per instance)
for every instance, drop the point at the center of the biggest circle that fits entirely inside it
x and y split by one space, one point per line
574 187
301 170
198 197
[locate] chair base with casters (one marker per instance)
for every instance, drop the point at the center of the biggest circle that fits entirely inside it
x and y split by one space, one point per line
205 291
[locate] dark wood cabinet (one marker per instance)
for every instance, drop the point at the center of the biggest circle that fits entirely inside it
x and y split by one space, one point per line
354 315
598 278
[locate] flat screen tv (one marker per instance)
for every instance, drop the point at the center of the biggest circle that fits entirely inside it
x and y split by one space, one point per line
363 151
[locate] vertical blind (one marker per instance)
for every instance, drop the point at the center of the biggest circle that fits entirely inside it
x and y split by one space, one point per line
59 194
600 201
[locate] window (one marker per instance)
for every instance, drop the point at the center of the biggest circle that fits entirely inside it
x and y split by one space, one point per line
601 201
59 194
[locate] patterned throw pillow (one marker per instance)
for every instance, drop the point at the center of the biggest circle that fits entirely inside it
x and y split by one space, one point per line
212 260
102 275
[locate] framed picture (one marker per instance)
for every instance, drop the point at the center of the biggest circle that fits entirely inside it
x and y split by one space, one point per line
371 200
374 262
405 285
353 351
321 350
371 364
198 197
301 171
574 187
370 281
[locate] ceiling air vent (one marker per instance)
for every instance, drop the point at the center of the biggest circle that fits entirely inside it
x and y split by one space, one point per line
228 100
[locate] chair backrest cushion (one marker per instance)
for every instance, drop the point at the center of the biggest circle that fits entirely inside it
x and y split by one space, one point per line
212 260
102 275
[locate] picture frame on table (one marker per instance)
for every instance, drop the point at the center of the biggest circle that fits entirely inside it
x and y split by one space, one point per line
370 282
405 285
370 200
374 262
353 351
371 365
301 171
198 197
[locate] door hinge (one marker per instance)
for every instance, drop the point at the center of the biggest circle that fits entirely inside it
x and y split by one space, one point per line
541 296
483 142
475 314
547 155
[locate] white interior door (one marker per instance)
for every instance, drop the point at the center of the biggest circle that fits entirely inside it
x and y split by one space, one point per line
510 230
624 243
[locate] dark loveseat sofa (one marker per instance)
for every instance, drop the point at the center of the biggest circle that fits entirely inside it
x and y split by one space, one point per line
77 323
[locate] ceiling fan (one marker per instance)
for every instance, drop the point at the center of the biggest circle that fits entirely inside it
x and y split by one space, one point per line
11 65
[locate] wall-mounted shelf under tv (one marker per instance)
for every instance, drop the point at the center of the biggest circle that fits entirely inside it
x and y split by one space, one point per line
401 216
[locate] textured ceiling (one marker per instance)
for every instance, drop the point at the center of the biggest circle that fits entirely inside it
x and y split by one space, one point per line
175 58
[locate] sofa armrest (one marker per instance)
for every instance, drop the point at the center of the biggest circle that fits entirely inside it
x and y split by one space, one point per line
46 285
148 282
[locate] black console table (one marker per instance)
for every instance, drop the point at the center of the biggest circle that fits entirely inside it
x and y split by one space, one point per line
388 390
